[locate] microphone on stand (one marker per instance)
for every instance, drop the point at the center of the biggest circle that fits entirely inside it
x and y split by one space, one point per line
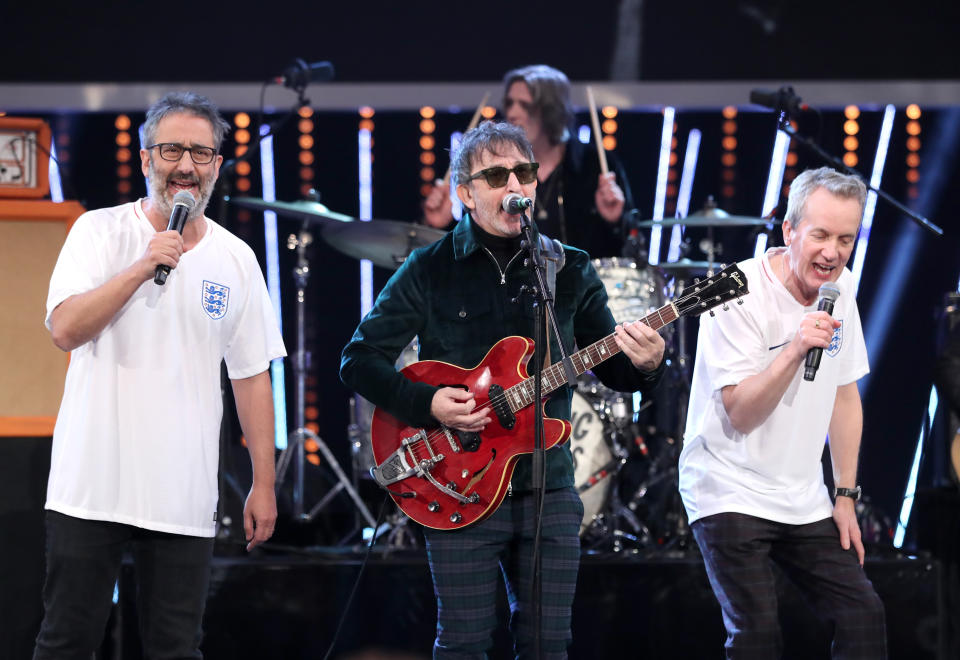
514 203
300 74
183 204
784 99
828 296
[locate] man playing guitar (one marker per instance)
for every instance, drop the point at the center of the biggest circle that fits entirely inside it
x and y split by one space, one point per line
460 296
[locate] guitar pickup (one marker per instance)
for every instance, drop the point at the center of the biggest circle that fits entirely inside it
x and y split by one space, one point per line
501 407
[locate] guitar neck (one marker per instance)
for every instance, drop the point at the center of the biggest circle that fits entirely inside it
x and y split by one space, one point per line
522 395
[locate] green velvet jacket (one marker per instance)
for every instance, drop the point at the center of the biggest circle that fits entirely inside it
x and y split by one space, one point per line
453 296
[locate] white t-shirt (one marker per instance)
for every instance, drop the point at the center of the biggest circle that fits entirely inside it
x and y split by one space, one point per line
137 437
774 472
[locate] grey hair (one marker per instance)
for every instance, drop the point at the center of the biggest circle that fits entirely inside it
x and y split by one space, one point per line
183 103
841 185
490 137
550 89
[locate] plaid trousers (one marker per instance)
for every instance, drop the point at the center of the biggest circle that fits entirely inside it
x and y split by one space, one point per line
737 550
466 564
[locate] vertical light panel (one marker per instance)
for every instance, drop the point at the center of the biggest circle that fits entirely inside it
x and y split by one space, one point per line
660 196
911 489
457 208
53 175
365 177
686 188
778 162
271 250
883 144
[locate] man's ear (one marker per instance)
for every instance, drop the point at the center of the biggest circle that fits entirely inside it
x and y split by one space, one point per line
465 193
787 229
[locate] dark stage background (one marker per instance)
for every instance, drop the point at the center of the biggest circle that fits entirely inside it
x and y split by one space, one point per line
907 271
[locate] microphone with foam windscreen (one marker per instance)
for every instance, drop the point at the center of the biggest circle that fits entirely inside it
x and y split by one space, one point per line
828 296
183 204
514 203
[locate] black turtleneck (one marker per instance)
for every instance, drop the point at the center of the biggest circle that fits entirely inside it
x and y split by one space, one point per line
502 248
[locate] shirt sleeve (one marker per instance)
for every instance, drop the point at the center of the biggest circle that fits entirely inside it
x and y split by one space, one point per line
731 344
79 267
257 339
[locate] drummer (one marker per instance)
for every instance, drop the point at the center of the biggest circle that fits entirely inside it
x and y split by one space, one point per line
575 202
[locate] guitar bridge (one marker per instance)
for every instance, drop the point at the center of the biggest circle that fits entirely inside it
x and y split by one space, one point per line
403 463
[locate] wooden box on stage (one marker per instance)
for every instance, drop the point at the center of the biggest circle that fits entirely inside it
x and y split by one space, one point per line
31 235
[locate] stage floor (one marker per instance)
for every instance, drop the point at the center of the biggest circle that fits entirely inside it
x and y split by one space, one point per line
289 605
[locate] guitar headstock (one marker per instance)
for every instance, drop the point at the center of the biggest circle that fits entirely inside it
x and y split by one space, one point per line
729 284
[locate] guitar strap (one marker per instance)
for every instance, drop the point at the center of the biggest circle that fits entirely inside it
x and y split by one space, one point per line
552 252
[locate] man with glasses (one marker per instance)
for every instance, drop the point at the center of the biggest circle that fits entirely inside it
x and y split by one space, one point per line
577 204
460 296
135 448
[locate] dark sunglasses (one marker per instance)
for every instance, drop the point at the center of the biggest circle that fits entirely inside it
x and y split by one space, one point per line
498 176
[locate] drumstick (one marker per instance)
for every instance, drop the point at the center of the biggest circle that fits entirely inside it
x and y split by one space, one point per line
473 124
601 152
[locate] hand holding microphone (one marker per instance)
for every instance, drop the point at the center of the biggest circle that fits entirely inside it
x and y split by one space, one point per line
828 297
183 204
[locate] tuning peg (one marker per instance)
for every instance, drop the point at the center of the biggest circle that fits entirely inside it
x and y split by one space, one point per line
725 307
739 301
712 313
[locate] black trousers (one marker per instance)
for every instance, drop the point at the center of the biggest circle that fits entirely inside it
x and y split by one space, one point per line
83 563
737 550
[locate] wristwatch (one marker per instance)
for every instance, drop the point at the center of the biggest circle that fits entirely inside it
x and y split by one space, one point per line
847 492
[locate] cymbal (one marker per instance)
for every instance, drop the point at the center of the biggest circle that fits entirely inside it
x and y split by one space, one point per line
386 243
708 221
689 266
302 209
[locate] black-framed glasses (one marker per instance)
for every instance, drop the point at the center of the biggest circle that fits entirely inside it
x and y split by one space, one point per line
174 152
498 175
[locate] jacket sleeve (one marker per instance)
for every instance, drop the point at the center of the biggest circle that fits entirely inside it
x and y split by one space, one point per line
367 363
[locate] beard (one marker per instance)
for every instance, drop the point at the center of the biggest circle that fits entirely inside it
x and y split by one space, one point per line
160 196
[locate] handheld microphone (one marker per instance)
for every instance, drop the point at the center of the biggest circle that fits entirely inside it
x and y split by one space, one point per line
828 296
514 203
784 99
300 74
183 203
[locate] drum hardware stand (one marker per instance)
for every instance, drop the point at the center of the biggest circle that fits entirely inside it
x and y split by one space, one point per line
295 442
398 534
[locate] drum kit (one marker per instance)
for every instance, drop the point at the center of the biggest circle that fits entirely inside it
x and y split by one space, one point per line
624 449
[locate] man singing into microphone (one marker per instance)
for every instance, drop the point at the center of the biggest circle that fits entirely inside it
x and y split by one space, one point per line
136 443
750 471
460 296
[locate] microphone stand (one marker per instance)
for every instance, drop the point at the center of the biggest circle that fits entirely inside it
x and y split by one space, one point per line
783 124
543 303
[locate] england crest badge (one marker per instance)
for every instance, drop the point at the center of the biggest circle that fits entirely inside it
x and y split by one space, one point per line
215 298
836 341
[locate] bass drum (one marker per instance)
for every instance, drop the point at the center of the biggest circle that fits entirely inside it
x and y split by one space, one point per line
593 462
361 416
633 292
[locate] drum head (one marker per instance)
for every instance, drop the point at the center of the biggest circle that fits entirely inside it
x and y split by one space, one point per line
633 292
591 457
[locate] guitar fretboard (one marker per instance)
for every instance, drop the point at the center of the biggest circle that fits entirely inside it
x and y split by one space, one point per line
521 395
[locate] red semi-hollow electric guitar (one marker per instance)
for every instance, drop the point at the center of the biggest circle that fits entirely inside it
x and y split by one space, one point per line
447 479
